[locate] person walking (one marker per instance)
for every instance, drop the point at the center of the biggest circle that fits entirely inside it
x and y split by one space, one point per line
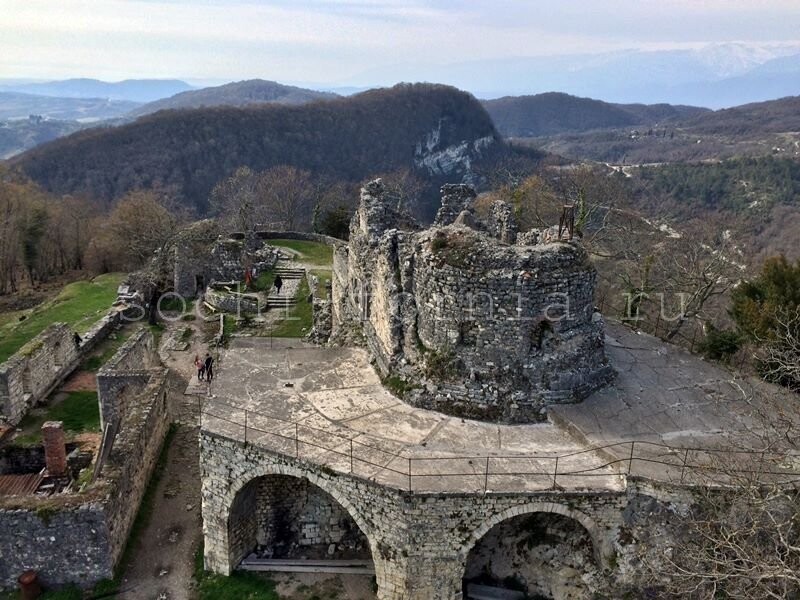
200 366
209 365
278 284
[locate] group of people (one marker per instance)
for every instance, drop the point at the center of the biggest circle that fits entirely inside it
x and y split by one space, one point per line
205 367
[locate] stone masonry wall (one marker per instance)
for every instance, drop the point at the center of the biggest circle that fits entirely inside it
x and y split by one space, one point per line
481 328
35 370
125 375
419 542
67 544
141 435
79 537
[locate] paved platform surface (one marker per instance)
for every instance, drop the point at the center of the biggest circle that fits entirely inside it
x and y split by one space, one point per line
327 405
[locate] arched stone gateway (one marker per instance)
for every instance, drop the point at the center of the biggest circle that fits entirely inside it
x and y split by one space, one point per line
419 542
288 513
544 550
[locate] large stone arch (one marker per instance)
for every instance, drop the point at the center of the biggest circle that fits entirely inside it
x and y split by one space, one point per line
265 470
602 549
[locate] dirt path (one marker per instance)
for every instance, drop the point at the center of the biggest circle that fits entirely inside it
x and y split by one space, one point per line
162 563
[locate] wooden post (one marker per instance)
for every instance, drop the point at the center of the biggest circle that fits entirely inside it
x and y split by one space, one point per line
685 458
630 459
555 475
486 477
296 441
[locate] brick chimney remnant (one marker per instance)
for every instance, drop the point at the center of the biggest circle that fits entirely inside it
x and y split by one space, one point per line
55 449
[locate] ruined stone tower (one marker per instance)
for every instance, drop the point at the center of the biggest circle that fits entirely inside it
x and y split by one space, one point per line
461 320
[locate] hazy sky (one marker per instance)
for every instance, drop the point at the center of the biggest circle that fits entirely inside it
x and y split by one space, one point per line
335 41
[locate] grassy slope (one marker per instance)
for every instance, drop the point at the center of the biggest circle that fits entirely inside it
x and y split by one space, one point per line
79 304
298 322
315 253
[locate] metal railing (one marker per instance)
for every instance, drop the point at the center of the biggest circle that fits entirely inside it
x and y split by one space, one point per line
599 467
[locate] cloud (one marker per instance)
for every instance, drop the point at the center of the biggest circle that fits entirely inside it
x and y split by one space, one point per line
332 40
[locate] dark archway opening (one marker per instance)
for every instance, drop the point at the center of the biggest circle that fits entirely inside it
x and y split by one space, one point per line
284 517
540 556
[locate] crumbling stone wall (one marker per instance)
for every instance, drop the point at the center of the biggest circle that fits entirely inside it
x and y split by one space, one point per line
141 434
478 327
79 537
28 377
125 375
456 199
41 365
204 256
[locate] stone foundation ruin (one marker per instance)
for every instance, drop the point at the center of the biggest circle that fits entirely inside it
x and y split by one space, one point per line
76 533
464 320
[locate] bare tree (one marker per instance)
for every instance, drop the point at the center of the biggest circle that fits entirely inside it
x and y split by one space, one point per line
741 537
779 356
286 197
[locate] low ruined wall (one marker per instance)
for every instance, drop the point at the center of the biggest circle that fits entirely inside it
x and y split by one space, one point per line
35 370
79 538
99 331
64 544
125 374
141 435
39 367
232 303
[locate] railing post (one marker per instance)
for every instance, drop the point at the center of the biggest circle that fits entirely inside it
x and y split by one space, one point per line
555 475
486 477
351 457
685 459
296 441
630 459
245 427
409 474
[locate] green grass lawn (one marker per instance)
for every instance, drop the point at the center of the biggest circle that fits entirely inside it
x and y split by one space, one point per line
263 283
324 279
315 253
297 322
79 304
239 586
79 411
108 348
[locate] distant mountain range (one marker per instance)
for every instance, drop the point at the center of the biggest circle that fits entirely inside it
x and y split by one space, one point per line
608 133
437 131
131 90
554 113
715 76
15 105
240 93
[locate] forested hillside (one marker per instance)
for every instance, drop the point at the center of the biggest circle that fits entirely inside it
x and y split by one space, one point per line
553 113
751 130
438 131
240 93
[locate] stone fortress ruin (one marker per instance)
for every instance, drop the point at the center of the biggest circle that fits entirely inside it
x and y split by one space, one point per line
476 325
471 426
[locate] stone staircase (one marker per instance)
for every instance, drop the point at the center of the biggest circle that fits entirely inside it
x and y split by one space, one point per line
291 277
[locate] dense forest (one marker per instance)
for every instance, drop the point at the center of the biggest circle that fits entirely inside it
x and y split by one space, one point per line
239 93
731 185
554 113
186 153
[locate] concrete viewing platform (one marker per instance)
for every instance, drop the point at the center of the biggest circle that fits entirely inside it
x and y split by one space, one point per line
327 406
